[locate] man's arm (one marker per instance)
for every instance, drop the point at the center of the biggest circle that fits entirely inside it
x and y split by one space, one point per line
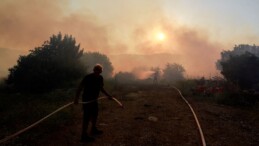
103 90
79 90
105 93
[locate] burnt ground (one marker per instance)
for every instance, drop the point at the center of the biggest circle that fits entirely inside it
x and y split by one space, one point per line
159 117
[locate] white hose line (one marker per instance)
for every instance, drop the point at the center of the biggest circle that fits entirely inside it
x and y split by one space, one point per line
34 124
39 121
195 117
119 103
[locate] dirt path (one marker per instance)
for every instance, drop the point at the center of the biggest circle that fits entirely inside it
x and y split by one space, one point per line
159 117
153 117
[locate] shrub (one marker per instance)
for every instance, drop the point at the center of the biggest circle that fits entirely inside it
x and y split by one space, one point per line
49 66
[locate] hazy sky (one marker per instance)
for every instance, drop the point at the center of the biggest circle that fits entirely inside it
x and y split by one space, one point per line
195 31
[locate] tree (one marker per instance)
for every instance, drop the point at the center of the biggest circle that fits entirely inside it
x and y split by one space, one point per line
173 72
242 70
47 67
90 59
237 51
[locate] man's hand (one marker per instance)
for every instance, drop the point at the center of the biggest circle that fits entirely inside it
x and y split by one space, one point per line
110 97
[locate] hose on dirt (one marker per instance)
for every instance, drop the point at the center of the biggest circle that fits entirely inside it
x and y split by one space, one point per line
195 117
46 117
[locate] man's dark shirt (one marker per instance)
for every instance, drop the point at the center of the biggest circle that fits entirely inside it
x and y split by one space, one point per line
92 84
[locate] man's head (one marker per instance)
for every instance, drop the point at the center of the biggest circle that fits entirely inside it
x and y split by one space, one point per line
98 69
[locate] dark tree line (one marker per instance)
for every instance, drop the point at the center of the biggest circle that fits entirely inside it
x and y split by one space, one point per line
242 70
57 63
49 66
170 74
60 61
89 59
241 66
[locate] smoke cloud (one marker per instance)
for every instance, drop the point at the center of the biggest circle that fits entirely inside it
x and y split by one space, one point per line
26 24
184 45
125 34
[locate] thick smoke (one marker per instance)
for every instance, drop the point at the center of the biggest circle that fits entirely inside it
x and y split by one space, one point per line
115 30
26 24
187 46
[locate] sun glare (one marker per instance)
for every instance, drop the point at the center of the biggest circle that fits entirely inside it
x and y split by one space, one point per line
160 36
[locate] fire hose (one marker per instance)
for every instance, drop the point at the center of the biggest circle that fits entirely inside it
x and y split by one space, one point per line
195 117
46 117
117 101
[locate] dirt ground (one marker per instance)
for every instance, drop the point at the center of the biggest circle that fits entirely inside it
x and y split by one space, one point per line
159 117
228 126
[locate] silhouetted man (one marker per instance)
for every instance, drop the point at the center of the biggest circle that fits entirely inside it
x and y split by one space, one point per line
91 86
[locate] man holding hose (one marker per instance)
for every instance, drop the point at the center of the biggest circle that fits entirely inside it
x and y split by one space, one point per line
91 86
